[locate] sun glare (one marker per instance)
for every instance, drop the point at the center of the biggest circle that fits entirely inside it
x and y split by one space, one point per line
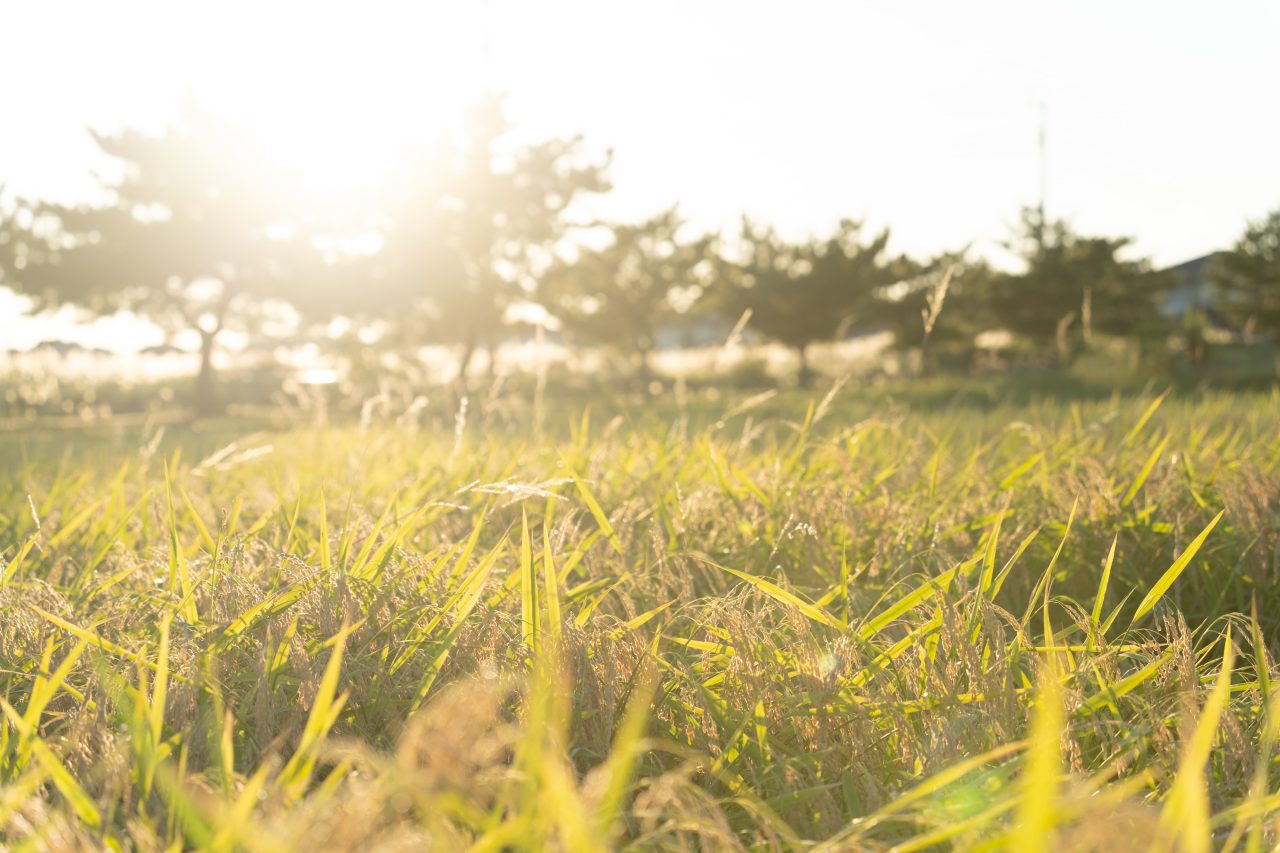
336 99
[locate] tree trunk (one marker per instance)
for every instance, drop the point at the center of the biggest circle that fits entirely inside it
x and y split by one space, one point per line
804 378
1065 342
207 402
1086 317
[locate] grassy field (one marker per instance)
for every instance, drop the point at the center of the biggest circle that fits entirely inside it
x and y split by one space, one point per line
763 624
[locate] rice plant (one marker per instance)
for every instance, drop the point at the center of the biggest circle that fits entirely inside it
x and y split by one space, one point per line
774 625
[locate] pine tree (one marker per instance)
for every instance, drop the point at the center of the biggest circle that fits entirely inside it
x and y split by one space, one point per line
620 294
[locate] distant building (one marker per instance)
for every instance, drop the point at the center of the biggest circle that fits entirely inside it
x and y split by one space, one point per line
1194 291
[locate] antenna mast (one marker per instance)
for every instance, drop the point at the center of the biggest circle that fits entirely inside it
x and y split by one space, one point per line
1044 159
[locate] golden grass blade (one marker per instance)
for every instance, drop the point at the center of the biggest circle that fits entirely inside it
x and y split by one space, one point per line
1101 596
323 714
945 777
1146 416
1047 577
777 593
1109 694
920 594
528 589
1037 806
459 607
597 513
627 743
550 586
10 570
160 685
987 577
1016 474
1145 472
1184 820
179 580
98 642
1153 597
1009 564
81 803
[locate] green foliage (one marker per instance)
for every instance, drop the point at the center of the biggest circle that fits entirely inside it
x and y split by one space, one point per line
1075 285
468 224
184 237
940 305
621 294
183 207
199 232
867 627
1249 275
802 293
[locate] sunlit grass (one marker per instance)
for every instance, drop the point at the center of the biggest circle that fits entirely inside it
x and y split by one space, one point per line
780 627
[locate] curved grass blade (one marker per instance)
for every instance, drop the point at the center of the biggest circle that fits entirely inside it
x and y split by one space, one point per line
1166 580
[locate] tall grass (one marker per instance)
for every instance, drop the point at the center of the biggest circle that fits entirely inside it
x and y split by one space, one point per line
785 627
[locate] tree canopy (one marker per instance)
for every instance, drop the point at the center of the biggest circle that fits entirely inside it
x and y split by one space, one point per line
802 293
621 294
467 225
196 230
194 234
1249 275
1072 285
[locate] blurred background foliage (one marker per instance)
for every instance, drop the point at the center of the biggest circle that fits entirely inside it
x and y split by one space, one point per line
476 264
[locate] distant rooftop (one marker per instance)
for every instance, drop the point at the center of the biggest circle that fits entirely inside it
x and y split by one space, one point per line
1193 290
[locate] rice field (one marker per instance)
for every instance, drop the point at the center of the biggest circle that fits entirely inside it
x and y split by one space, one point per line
764 624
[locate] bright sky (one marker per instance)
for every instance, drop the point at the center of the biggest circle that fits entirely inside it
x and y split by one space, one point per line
923 116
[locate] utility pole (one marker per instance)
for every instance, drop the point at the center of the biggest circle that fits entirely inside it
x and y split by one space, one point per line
1039 221
1044 157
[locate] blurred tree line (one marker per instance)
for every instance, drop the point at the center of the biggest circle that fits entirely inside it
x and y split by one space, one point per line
197 234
